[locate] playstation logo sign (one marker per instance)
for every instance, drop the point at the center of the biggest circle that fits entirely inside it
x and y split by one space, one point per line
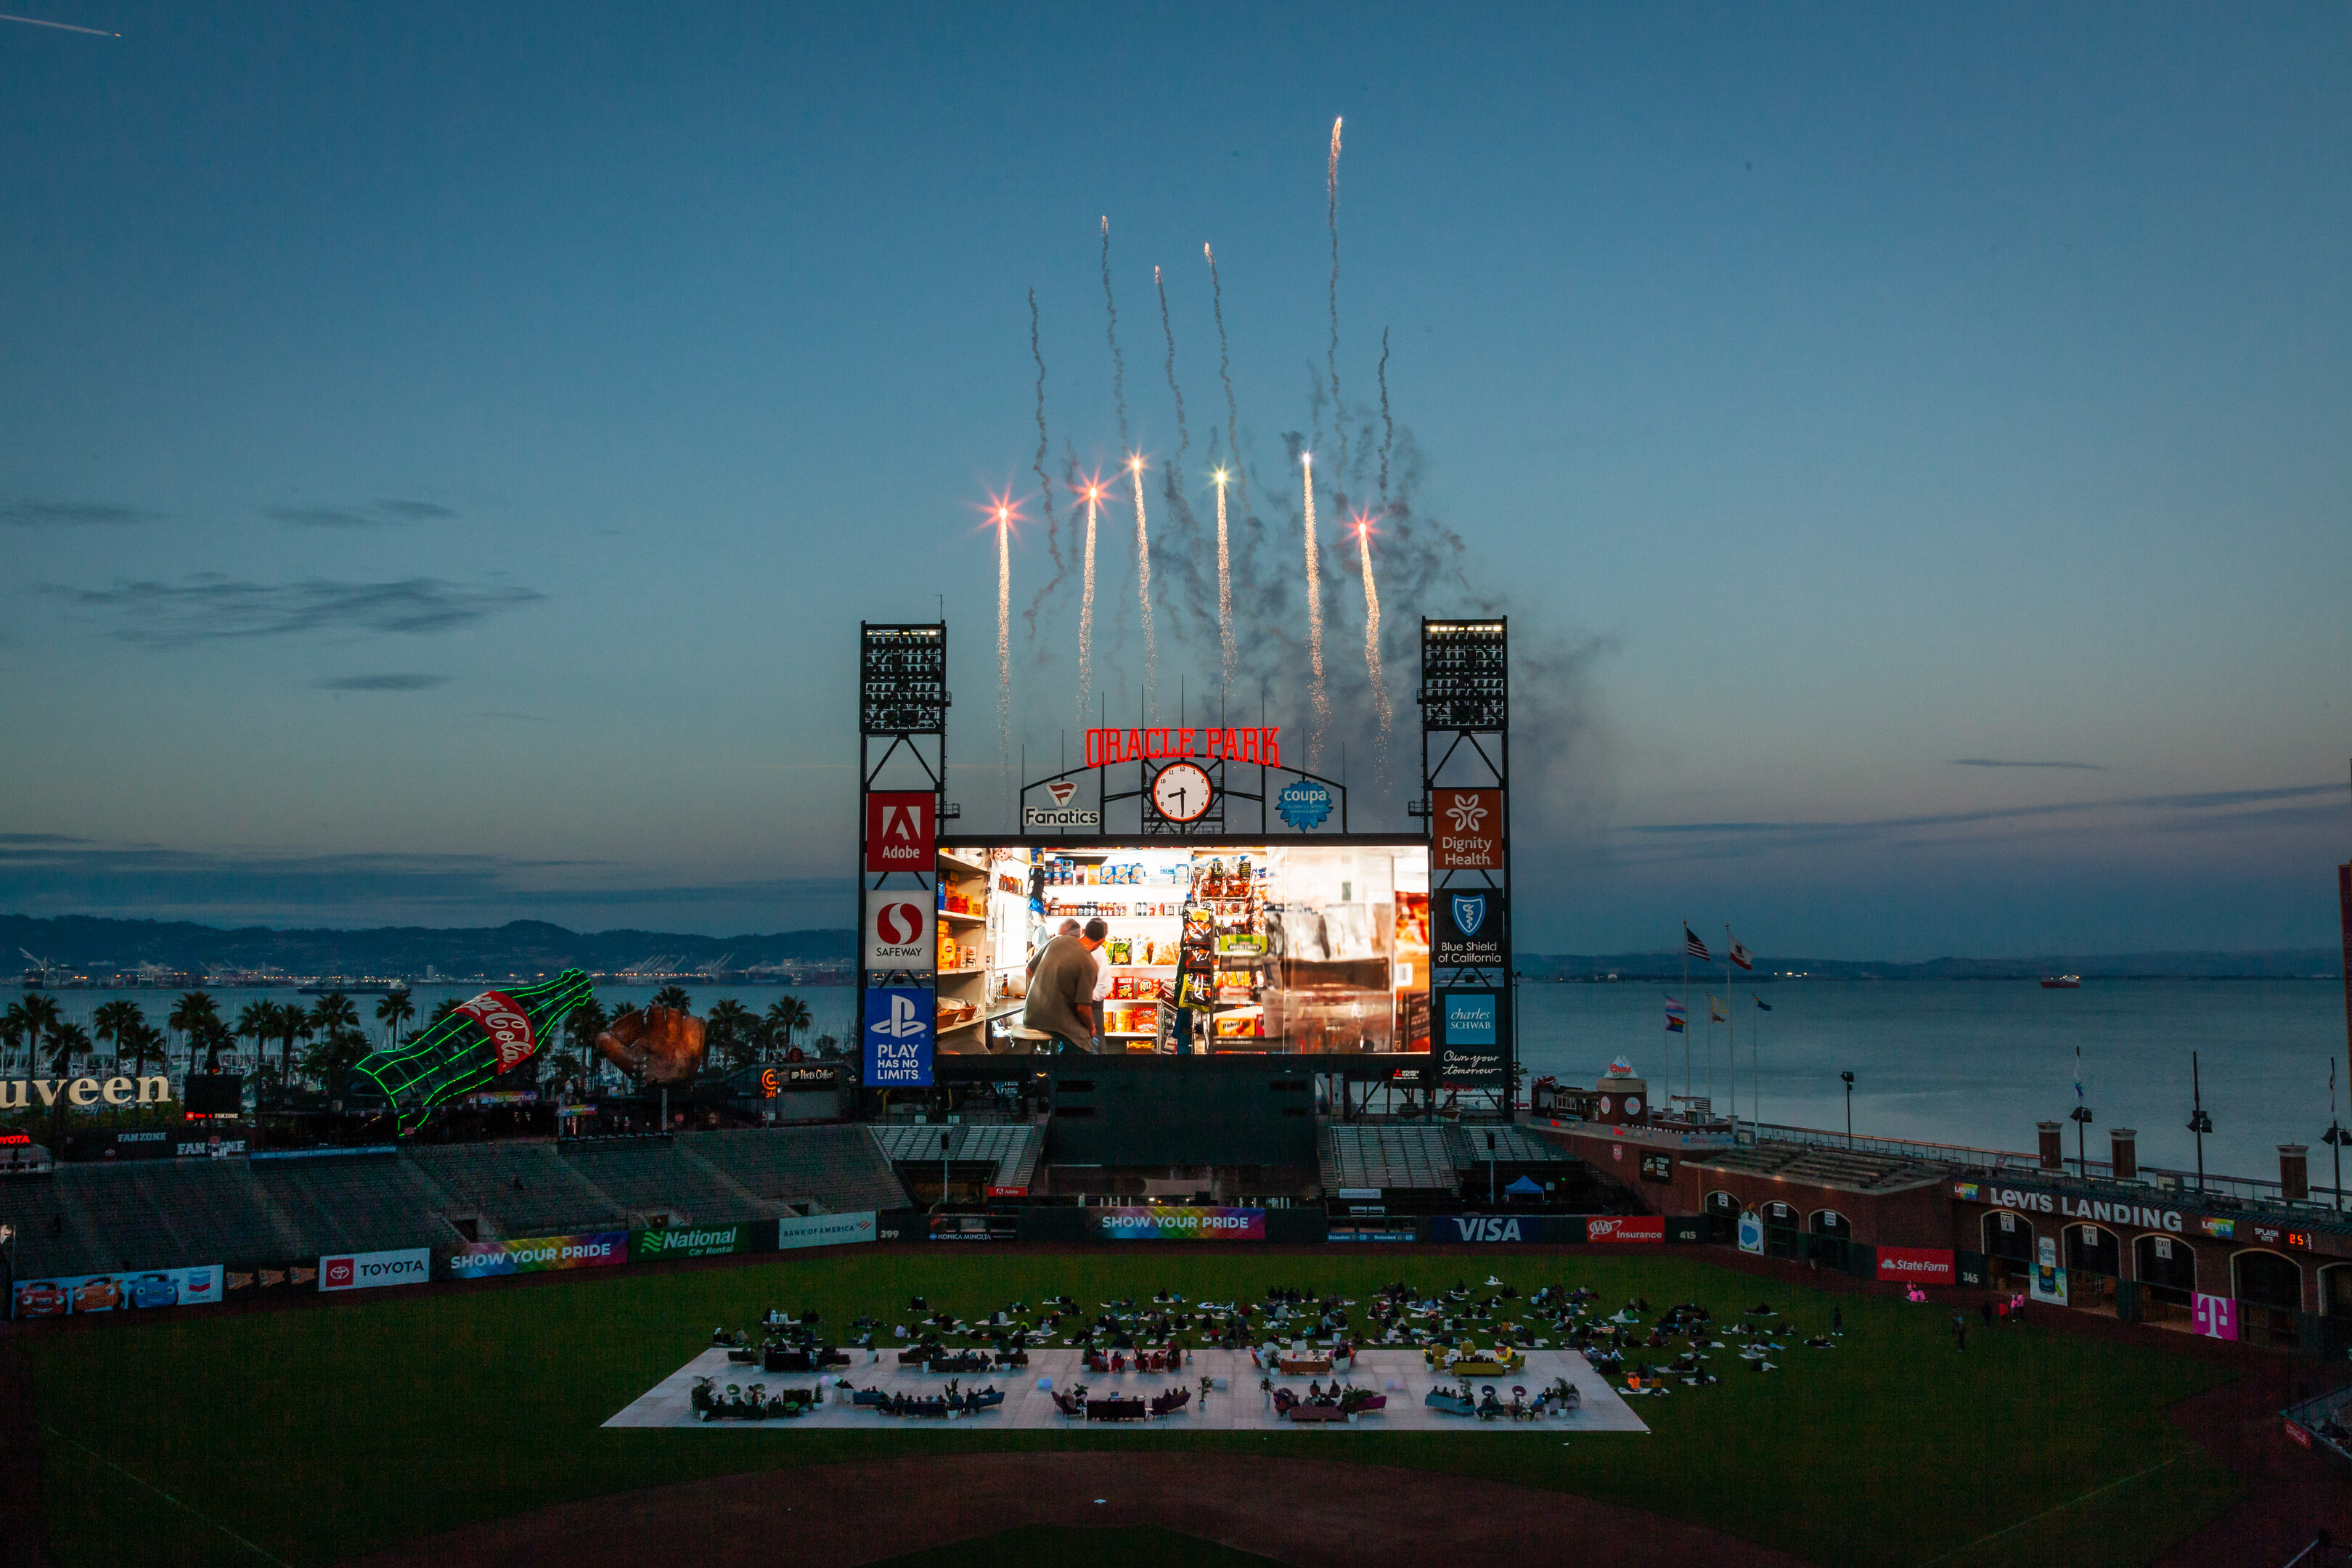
899 1026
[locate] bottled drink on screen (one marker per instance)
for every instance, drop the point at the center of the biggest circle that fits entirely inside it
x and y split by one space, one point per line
489 1035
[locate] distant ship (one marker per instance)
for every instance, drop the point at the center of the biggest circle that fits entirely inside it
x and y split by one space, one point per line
2062 983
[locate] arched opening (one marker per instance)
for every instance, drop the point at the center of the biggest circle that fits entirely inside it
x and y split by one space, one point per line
1829 1222
2008 1249
1783 1232
2094 1262
1828 1235
1720 1202
2336 1290
2269 1289
2166 1267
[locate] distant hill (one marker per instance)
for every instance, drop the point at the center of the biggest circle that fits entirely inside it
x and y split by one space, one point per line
2269 963
518 947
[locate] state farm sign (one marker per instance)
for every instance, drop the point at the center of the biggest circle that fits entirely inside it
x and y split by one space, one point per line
1920 1265
1465 830
901 933
901 830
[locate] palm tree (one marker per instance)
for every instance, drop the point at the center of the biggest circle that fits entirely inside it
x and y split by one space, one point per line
21 1025
394 1010
213 1037
67 1041
293 1024
258 1023
442 1009
188 1016
786 1014
139 1040
40 1018
13 1025
116 1022
675 998
730 1028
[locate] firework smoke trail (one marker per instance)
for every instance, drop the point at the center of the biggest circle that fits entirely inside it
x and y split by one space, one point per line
1004 642
1232 422
1183 434
1143 587
1388 426
1225 601
1372 670
1320 697
1093 492
1045 485
1331 363
1117 360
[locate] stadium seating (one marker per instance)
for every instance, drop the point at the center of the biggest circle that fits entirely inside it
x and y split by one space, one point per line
520 1187
362 1204
1398 1156
835 1168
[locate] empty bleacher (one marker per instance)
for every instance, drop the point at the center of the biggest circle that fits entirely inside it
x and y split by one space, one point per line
1396 1157
521 1188
372 1204
660 1178
834 1169
1859 1169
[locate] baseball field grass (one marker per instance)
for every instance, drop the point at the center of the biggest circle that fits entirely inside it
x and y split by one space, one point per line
308 1436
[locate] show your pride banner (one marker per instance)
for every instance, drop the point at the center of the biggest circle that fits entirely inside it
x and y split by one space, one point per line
532 1254
1173 1222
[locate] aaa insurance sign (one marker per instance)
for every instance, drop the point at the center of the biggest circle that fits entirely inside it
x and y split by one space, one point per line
901 830
1465 829
901 931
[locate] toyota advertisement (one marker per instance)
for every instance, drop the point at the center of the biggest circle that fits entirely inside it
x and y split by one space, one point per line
132 1290
368 1270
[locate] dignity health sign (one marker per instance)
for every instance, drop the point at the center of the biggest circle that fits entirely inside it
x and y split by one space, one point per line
1177 1224
536 1254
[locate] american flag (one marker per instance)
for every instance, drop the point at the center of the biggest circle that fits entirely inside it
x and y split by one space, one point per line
1691 945
1741 956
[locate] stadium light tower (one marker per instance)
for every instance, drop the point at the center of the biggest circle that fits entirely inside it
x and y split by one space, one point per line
2199 1123
1849 1108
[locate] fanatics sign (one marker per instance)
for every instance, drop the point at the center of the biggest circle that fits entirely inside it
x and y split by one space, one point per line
1465 830
901 830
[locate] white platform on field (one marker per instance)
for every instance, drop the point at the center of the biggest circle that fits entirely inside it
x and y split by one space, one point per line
1236 1405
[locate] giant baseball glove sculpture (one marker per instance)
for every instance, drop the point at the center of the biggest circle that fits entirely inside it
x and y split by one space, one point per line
654 1045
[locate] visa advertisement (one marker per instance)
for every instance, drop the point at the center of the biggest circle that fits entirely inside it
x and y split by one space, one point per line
1174 1223
131 1291
536 1254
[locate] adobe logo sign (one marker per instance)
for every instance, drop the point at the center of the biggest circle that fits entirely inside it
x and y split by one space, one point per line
901 830
899 934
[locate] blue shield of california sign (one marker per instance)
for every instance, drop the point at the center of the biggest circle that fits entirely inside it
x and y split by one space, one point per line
899 1033
1471 926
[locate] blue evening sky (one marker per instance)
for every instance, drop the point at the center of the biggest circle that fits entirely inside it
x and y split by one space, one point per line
446 451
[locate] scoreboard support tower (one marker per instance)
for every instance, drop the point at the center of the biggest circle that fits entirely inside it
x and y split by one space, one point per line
1465 801
902 717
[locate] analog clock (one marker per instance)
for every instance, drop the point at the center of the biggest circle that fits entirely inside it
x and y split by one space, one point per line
1181 792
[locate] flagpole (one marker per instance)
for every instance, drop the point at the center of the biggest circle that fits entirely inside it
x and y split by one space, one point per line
1731 1037
1687 1043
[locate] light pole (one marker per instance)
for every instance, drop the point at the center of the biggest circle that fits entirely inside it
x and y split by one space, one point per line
2199 1123
2336 1136
944 1138
1490 1169
1849 1108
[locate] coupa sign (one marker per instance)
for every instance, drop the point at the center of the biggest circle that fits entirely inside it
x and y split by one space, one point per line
22 1093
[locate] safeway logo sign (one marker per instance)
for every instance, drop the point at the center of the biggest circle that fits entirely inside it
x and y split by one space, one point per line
899 933
901 830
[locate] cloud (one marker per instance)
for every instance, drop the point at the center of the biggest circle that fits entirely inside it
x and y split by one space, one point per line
375 514
2194 813
381 682
149 880
211 608
28 513
7 838
2005 763
518 718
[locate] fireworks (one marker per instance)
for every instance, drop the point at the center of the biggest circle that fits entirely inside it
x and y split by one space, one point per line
1339 409
1093 492
1372 670
1225 598
1143 586
1316 694
1001 509
1117 360
1232 417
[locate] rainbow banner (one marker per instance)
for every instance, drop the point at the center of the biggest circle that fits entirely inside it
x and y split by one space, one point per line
535 1253
1173 1222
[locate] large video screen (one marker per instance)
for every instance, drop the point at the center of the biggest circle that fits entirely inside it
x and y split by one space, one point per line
1320 949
